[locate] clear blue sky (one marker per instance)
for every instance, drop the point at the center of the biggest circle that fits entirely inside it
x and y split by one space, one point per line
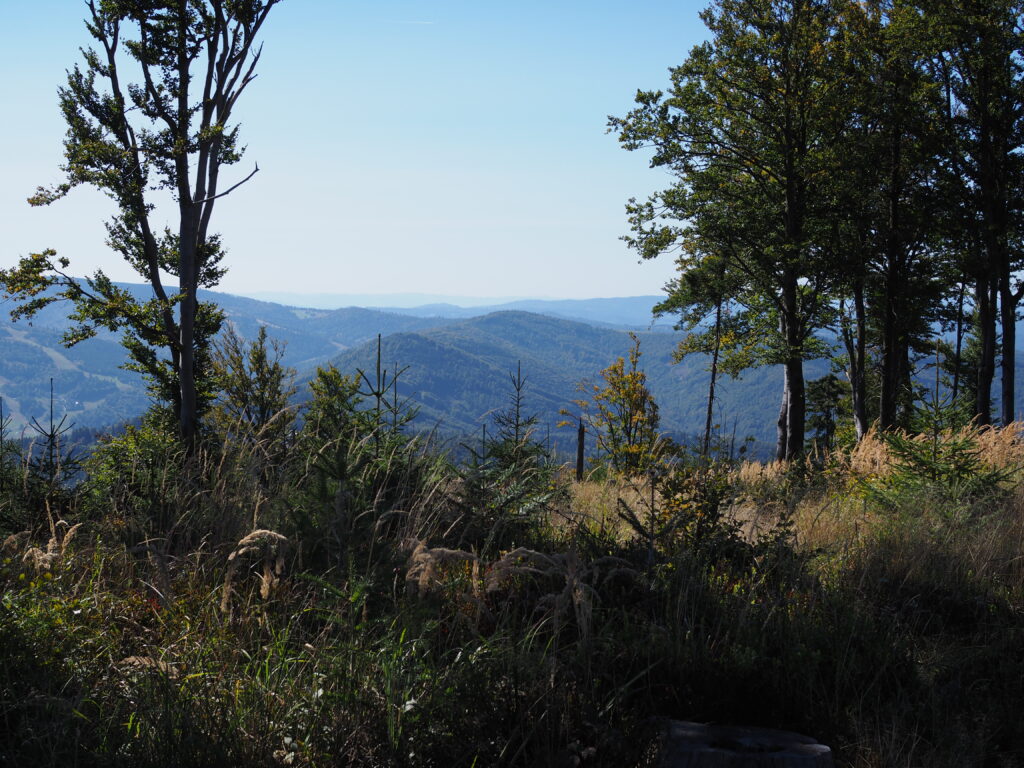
447 147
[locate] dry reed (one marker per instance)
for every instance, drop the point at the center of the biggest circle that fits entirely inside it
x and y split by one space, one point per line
56 547
267 548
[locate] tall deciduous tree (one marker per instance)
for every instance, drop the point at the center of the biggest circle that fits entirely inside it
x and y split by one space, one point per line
886 212
982 67
167 130
717 323
751 129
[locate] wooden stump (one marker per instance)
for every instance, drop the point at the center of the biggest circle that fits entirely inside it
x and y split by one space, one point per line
692 745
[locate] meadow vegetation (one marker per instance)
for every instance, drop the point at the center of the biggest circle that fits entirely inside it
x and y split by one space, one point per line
340 593
242 581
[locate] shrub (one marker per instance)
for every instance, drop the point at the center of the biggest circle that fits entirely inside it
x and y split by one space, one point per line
509 486
943 470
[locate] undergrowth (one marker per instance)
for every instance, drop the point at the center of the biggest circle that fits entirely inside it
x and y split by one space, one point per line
366 603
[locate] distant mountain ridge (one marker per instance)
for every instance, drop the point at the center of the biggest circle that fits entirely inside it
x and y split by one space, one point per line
633 312
458 374
457 368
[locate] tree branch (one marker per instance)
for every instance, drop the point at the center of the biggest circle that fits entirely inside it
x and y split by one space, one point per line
230 189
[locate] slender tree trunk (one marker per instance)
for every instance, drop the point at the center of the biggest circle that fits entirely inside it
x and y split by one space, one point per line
985 296
706 448
782 426
796 410
856 352
1008 362
188 415
905 382
859 383
796 400
188 245
890 360
781 445
958 351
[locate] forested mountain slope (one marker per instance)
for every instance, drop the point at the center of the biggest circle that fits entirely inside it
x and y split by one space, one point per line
457 370
458 374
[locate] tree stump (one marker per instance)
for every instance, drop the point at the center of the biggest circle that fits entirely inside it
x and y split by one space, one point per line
693 745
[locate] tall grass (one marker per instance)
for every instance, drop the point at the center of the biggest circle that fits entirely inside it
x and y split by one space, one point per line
395 633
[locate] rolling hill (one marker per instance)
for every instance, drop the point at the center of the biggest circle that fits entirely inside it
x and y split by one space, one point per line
94 391
88 384
457 369
458 374
625 313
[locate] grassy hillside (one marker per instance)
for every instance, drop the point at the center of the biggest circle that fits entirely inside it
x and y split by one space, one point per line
350 599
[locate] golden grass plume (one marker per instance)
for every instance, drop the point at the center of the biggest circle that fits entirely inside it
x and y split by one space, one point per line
263 546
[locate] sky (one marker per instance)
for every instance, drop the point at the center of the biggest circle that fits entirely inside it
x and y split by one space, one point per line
444 147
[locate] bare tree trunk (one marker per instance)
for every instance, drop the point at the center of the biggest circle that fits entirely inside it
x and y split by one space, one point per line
782 440
796 402
188 417
781 445
856 353
706 448
1008 363
796 411
890 362
859 380
958 351
985 303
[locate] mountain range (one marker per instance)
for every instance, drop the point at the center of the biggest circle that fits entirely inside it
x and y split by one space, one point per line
629 312
455 369
458 374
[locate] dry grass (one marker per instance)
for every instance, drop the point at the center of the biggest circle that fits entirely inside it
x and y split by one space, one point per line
993 548
1002 448
263 547
56 548
426 566
594 505
998 447
832 522
757 476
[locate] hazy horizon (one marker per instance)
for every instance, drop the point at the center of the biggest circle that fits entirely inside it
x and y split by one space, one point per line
321 300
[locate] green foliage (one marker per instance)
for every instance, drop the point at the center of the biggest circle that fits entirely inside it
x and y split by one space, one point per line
962 368
20 501
253 409
943 470
132 479
355 471
828 405
39 475
128 139
509 485
624 417
333 444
